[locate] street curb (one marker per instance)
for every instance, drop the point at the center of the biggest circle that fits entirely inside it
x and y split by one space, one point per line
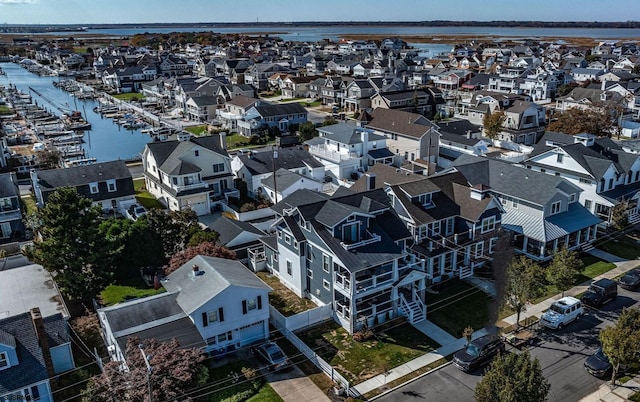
410 381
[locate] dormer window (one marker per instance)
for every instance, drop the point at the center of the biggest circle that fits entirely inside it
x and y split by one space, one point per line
93 187
555 207
559 157
425 200
4 360
111 186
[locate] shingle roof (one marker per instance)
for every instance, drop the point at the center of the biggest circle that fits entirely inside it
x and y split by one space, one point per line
229 229
288 158
400 122
83 175
7 185
280 110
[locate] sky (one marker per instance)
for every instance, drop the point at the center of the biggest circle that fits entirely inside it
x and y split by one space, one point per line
182 11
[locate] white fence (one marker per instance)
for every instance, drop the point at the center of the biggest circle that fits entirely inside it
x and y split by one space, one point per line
281 322
304 319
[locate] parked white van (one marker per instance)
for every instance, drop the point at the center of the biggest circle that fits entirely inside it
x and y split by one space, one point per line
562 312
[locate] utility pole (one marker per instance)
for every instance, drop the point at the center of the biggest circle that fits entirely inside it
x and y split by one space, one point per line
273 167
146 361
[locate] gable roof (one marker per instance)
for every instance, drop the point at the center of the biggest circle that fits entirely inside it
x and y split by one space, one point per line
288 158
217 274
8 185
228 229
400 122
163 150
83 175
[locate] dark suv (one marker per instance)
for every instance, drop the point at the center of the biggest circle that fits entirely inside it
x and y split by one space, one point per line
600 292
478 352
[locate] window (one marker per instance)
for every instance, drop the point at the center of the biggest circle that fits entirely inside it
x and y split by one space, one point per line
111 186
479 249
251 304
218 167
559 157
209 317
196 153
326 261
309 273
93 187
350 233
325 284
587 204
4 360
287 239
227 336
289 268
492 244
212 316
585 181
175 181
555 207
309 253
572 197
488 224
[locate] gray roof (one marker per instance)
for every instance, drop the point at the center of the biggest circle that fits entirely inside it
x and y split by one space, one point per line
83 175
31 368
30 286
346 134
163 150
284 179
505 178
288 158
228 229
217 274
8 185
280 109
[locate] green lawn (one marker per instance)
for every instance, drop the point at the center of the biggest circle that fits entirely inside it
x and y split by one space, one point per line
129 96
311 104
29 204
234 387
458 306
359 361
626 246
132 289
144 197
197 130
6 110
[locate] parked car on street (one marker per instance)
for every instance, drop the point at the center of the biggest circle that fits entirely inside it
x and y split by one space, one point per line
271 354
599 366
600 292
630 280
478 352
562 312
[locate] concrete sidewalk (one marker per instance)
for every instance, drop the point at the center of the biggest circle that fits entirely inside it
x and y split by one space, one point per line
622 266
619 393
294 386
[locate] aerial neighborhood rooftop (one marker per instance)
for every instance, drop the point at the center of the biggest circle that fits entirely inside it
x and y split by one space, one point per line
360 179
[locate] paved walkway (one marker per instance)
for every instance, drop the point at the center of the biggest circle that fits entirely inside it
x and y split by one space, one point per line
619 393
622 266
435 332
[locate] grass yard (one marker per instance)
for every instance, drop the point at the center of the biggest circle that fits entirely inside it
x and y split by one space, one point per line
197 130
311 104
626 246
458 306
129 96
283 299
233 385
133 289
144 197
29 204
359 361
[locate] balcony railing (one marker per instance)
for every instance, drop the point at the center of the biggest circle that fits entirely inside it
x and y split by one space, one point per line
187 187
373 282
371 238
343 282
326 153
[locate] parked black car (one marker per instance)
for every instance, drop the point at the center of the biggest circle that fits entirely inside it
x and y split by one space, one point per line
600 292
599 366
478 352
630 280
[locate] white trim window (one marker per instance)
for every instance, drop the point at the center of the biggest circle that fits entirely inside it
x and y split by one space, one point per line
488 224
93 188
555 207
4 361
326 285
111 186
479 249
326 263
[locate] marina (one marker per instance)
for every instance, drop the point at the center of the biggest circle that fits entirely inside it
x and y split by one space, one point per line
73 124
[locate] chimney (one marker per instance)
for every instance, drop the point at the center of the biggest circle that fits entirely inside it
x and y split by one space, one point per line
43 340
196 270
371 181
223 140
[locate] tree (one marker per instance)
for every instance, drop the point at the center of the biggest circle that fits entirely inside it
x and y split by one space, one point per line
619 217
513 377
621 342
72 248
174 228
307 131
598 120
492 123
522 285
88 328
563 269
207 249
49 159
174 371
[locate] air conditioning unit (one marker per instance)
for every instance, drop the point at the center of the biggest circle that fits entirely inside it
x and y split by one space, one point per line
111 348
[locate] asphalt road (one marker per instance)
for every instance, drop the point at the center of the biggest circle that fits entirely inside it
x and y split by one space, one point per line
561 355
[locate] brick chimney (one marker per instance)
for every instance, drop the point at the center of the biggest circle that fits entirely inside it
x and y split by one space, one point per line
43 340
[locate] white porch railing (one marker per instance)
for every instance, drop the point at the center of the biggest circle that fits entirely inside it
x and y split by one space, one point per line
186 187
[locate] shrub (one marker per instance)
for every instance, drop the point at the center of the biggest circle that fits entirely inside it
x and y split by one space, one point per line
363 335
247 207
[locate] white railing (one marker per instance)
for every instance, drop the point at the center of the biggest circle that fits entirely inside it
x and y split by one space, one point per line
373 238
186 187
325 153
406 308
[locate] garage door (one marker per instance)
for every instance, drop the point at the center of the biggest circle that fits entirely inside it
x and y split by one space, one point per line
251 333
200 208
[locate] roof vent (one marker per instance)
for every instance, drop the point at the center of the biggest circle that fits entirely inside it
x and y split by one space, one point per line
196 270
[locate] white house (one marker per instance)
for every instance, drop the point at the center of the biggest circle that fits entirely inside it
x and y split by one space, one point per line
212 303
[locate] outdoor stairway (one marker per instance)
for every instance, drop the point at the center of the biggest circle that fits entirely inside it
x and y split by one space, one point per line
465 271
586 247
413 312
634 219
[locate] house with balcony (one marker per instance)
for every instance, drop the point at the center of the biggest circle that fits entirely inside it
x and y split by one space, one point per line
410 136
607 174
128 79
108 184
195 173
542 211
348 251
211 303
455 226
358 95
333 90
234 110
414 101
346 150
11 226
281 118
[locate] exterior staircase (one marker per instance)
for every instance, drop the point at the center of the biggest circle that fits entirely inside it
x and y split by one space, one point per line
634 219
465 271
586 247
414 310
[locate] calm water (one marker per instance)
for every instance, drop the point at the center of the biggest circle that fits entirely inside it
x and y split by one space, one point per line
106 140
312 34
